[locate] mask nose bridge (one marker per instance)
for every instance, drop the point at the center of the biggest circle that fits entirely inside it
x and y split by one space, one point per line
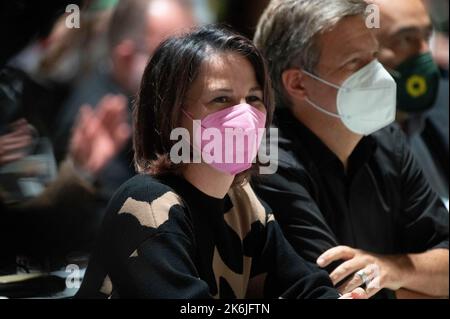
323 81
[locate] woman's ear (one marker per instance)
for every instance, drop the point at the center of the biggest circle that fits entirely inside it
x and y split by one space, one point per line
293 84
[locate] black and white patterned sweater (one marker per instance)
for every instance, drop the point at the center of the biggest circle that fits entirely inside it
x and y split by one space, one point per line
163 238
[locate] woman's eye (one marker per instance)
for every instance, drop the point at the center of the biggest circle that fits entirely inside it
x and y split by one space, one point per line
254 98
222 100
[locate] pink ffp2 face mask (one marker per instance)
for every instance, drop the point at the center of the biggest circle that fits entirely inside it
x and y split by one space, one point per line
241 129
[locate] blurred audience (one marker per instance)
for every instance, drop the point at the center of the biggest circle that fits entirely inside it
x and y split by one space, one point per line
50 210
27 163
439 11
136 28
68 54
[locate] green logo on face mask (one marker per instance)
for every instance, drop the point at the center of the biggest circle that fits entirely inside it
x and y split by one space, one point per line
416 86
418 83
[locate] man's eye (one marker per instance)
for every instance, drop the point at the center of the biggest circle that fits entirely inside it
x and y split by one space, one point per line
222 100
407 41
353 64
410 39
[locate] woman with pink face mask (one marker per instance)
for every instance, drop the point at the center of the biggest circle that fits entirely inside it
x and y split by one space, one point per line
195 229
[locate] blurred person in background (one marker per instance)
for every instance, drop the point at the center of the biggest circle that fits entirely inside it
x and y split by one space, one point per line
44 209
24 106
439 11
67 53
47 210
95 139
55 61
27 164
348 194
135 30
423 102
53 205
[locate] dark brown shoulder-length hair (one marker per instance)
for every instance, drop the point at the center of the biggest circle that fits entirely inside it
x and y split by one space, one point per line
165 83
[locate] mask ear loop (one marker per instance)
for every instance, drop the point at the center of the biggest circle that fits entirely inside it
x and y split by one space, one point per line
193 147
317 107
321 109
188 114
315 77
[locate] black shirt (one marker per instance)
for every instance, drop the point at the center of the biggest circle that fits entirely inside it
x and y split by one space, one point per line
166 239
381 203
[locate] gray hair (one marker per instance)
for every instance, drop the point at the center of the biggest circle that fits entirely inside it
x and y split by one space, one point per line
288 30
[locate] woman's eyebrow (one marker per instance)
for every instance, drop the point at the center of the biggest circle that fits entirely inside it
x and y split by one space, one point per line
227 90
256 88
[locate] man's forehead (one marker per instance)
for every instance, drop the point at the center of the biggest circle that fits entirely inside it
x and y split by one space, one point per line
400 13
400 6
348 37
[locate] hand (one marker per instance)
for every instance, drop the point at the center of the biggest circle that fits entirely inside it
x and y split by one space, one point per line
358 293
100 135
376 271
13 145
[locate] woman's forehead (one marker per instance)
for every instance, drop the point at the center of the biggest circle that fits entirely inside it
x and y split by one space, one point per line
226 70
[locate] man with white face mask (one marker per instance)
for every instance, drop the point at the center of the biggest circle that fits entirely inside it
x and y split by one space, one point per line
348 193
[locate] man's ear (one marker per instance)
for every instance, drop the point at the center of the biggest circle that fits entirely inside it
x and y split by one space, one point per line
293 82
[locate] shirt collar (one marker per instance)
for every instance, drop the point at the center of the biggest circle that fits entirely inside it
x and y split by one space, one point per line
304 140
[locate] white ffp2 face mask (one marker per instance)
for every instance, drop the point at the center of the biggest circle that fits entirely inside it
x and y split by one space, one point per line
366 101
